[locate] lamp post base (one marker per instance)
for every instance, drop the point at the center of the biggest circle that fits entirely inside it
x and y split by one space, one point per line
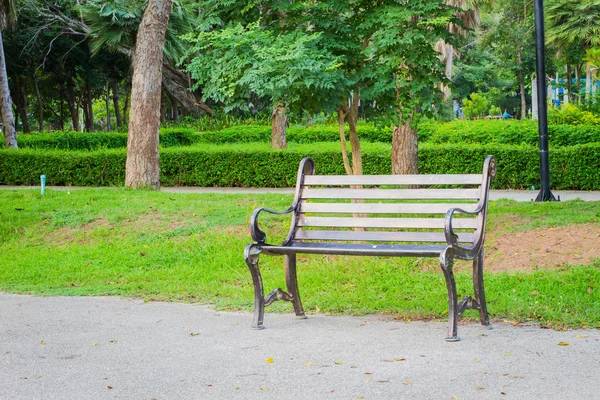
546 195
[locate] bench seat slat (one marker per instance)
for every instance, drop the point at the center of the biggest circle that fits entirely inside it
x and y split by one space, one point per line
415 223
435 237
444 179
354 249
399 194
378 208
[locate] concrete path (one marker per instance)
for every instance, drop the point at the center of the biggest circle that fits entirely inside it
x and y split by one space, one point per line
518 195
107 347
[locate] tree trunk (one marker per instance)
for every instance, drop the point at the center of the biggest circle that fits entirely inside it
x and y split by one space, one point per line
69 95
61 115
126 105
143 165
162 107
174 108
6 115
588 81
446 56
569 82
279 123
342 112
107 108
87 104
352 118
20 102
176 84
523 99
405 150
115 99
40 104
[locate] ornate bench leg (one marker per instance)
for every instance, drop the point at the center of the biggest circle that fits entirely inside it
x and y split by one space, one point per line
447 263
251 254
478 289
291 282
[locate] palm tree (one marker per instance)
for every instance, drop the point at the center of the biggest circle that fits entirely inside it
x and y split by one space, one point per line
8 19
574 22
113 25
469 16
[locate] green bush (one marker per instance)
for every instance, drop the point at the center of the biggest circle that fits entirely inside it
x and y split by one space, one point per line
458 132
317 133
256 165
476 106
507 132
570 114
99 140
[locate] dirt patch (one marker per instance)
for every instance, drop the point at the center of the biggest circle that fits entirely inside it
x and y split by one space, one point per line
66 235
541 248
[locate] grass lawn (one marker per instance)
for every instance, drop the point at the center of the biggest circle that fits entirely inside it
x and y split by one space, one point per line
188 247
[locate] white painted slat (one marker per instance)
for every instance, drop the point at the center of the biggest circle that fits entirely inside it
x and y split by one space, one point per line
414 223
444 179
431 237
400 194
379 208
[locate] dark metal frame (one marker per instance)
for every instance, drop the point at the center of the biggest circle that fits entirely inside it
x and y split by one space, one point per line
446 254
540 67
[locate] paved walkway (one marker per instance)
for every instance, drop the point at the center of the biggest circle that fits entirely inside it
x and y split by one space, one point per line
518 195
107 347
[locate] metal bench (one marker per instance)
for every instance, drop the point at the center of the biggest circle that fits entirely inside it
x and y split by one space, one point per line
378 215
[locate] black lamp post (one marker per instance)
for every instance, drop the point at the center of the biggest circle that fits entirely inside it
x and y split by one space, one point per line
545 194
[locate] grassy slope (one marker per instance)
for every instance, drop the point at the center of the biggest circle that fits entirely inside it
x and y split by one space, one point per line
189 247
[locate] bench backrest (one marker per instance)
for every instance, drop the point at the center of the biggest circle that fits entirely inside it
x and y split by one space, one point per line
387 208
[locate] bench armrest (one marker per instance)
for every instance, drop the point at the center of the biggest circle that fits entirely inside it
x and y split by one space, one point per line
257 235
466 252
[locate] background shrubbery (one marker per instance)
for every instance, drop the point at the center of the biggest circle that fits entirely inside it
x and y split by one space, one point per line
100 140
459 132
256 165
241 156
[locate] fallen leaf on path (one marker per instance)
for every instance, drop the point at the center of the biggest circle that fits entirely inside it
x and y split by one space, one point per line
563 343
269 360
382 380
308 363
581 336
340 362
406 382
42 342
399 358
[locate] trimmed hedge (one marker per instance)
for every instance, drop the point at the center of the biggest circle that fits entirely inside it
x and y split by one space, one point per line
459 132
315 134
507 132
169 137
256 165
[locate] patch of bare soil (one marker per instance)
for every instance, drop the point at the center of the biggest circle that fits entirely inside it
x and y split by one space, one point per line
541 248
66 235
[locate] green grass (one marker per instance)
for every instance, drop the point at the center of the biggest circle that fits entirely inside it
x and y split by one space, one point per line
188 247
